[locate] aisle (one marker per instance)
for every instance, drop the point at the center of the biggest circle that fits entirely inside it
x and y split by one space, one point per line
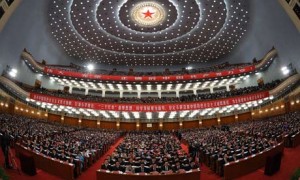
90 173
206 173
289 163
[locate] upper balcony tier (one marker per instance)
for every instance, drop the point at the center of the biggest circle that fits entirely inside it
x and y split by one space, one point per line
74 104
214 72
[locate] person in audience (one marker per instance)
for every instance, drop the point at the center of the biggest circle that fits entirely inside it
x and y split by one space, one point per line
177 167
118 167
142 169
5 145
166 167
155 168
129 169
106 166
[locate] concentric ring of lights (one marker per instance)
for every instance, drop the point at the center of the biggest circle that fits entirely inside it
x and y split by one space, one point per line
148 14
126 10
193 37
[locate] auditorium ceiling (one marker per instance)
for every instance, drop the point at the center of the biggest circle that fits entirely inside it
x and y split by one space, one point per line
147 33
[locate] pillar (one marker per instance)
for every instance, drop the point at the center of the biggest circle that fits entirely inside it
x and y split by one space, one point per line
159 94
86 91
70 89
195 91
227 87
219 121
79 122
236 118
161 125
177 93
138 125
118 124
62 119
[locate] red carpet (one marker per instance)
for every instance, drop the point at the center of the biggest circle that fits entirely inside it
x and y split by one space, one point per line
290 161
90 173
206 173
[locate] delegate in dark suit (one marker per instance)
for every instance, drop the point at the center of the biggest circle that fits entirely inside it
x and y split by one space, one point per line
5 143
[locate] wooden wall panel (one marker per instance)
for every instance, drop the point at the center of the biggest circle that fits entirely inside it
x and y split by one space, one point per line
210 122
27 111
277 108
244 117
108 125
89 123
143 127
54 118
274 109
227 120
128 126
71 121
295 106
190 124
11 106
171 126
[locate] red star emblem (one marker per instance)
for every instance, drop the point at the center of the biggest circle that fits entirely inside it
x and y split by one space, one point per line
148 14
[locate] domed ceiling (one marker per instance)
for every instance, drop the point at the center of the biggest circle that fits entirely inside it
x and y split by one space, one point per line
143 33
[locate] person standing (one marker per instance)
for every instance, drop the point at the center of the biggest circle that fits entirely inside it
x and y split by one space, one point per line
5 143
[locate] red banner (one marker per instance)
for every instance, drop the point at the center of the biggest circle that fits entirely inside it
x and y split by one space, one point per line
208 75
150 107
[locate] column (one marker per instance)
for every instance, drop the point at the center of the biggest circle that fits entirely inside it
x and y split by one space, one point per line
177 93
139 94
227 87
98 123
62 119
211 89
236 117
219 120
159 94
161 125
180 124
121 94
138 125
118 124
195 91
70 89
86 91
79 122
103 93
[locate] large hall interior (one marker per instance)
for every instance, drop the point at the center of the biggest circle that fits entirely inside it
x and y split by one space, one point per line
149 89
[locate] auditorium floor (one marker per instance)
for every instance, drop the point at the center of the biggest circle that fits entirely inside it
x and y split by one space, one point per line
290 161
